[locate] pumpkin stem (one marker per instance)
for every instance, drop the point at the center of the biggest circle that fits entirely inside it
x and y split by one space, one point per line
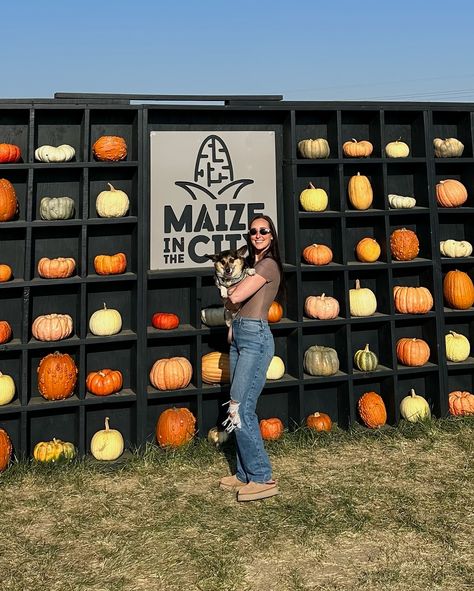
316 414
105 307
111 187
107 423
354 140
366 349
311 186
412 393
358 174
357 284
322 295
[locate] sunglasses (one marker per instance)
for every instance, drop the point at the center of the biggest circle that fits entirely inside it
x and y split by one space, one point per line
261 231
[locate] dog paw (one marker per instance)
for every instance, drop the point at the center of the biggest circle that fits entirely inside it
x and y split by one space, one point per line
223 291
250 271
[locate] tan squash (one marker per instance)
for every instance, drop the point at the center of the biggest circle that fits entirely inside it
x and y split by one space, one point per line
317 148
360 192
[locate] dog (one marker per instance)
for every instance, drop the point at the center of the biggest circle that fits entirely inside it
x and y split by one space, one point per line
230 267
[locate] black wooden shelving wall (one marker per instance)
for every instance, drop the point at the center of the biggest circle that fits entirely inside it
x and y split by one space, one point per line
139 292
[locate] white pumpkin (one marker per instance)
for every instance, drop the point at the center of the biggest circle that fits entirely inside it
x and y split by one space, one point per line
397 149
455 248
107 444
63 153
7 389
213 316
457 347
414 408
105 322
113 203
448 148
401 201
362 301
276 369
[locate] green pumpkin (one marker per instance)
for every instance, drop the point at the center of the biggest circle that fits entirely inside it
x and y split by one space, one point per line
366 360
321 361
56 208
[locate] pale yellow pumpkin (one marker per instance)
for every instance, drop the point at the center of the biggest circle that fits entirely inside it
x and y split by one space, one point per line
448 148
455 248
457 347
63 153
313 199
414 408
107 444
276 369
397 149
113 203
105 322
362 301
7 389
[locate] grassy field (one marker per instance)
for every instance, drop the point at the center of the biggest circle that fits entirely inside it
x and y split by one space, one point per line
386 510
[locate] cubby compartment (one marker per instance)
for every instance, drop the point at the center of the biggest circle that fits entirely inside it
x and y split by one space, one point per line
13 253
122 417
118 295
374 172
362 125
14 127
331 399
34 398
54 127
420 225
384 386
55 242
119 238
286 347
424 384
120 356
325 231
464 173
467 268
460 378
356 229
175 296
317 124
407 126
11 310
19 179
55 299
122 179
455 225
118 122
210 294
418 328
58 182
11 365
408 180
334 337
44 425
329 283
377 281
176 346
281 403
378 337
167 400
415 276
321 176
12 424
457 124
465 327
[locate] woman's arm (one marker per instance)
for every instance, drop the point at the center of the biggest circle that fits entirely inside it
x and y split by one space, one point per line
246 288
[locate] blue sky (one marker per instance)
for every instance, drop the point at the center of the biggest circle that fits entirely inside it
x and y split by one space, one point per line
305 50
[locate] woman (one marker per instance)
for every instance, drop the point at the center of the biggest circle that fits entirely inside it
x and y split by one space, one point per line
251 351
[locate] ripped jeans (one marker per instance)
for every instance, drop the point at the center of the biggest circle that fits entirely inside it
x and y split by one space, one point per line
251 351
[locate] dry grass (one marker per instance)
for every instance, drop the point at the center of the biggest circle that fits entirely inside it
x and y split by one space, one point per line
391 510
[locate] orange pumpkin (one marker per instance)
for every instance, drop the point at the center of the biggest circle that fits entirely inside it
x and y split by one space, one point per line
5 450
319 421
404 244
104 382
275 312
52 327
412 352
165 320
114 264
271 428
9 153
173 373
322 307
5 273
360 192
355 149
8 202
412 300
56 268
372 410
175 427
317 254
451 193
215 368
5 331
461 403
368 250
57 376
110 148
458 290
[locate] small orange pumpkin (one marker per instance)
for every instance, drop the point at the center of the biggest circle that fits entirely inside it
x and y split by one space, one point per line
458 290
165 320
319 421
9 153
114 264
56 268
451 193
104 382
173 373
8 201
6 273
110 148
412 352
271 428
355 149
372 410
368 250
317 254
5 331
57 376
5 450
175 427
404 244
461 403
275 312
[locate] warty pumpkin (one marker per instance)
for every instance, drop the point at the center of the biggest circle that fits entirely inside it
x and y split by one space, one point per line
52 327
175 427
317 148
56 208
368 250
360 192
107 444
365 359
5 331
275 312
458 290
9 153
110 148
105 322
58 268
362 301
165 320
412 352
104 381
173 373
455 248
412 300
319 421
451 193
322 307
404 244
8 201
414 408
7 389
113 264
448 148
215 368
113 203
6 273
317 254
457 346
461 403
5 450
271 429
355 149
372 410
319 360
57 376
62 153
314 199
397 149
53 451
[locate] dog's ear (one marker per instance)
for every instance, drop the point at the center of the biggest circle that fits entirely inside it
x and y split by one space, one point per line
212 257
242 250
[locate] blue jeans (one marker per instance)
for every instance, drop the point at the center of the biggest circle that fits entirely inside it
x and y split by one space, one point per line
251 351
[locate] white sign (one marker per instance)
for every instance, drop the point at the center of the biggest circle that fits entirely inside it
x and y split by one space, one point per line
205 188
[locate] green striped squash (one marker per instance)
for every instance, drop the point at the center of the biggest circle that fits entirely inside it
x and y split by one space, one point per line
365 359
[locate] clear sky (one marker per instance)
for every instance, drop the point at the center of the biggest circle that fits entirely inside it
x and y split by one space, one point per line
305 50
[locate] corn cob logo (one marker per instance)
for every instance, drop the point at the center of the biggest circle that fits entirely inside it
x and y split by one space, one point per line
213 172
